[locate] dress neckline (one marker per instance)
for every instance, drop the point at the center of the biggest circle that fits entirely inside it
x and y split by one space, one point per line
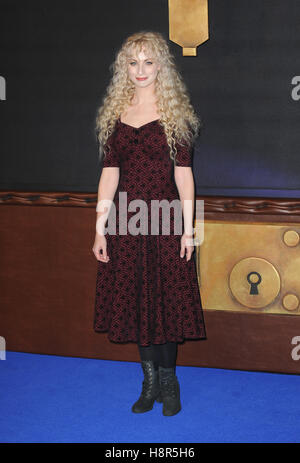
137 128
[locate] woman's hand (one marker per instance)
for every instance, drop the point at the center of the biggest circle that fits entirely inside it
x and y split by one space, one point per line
100 244
187 246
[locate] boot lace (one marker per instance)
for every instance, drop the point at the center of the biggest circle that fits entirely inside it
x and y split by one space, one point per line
169 388
147 389
149 382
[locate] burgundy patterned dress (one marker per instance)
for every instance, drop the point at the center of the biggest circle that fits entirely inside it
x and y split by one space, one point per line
146 293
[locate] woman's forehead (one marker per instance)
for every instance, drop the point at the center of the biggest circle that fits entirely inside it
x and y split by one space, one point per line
136 50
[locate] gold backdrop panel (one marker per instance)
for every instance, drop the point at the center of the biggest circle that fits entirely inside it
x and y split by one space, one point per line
250 267
188 24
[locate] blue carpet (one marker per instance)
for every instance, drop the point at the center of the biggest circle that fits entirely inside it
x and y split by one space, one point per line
57 399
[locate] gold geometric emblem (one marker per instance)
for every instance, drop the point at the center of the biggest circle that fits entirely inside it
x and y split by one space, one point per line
188 24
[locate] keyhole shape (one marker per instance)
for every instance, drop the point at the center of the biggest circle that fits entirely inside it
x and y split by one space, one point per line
253 288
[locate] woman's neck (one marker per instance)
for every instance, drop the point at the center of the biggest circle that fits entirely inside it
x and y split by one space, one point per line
144 96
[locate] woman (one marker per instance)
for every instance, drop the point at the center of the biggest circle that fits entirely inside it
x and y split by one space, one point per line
147 290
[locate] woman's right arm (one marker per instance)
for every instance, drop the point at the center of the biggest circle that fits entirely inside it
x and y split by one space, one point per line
108 185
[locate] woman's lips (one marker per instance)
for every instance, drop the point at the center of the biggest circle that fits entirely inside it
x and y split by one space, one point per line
142 78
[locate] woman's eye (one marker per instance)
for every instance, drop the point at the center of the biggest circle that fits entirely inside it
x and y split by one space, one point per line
133 62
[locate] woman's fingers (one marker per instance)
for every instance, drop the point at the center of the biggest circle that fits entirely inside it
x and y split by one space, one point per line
186 251
182 250
103 259
189 250
101 256
100 248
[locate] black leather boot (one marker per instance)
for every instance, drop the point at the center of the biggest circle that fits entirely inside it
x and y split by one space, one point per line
150 391
170 391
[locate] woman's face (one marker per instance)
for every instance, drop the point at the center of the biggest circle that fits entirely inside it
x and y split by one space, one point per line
142 68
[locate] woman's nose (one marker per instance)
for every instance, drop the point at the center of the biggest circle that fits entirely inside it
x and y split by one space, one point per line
140 68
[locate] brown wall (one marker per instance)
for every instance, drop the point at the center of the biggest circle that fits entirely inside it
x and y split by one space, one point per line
48 275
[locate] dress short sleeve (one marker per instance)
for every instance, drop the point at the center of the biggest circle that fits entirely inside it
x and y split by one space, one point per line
184 155
110 155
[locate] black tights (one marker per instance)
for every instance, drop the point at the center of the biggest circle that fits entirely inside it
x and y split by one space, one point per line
161 354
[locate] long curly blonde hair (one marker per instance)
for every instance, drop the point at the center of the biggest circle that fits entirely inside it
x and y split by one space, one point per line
177 116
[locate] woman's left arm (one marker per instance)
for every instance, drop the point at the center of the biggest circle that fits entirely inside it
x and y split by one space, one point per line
184 180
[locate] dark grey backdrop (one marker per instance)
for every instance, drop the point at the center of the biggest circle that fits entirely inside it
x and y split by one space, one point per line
55 58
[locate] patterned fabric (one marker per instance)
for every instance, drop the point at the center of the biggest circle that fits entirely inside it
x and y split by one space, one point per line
146 293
